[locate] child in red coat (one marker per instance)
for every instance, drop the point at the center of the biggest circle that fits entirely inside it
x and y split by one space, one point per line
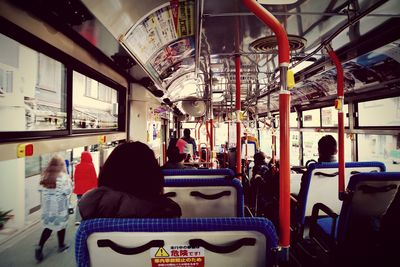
85 178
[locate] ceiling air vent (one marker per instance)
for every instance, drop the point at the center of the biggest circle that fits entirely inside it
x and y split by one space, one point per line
269 43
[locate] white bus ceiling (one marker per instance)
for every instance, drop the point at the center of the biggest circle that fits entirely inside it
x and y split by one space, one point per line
204 57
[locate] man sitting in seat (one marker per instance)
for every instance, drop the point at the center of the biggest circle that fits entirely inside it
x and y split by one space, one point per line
177 152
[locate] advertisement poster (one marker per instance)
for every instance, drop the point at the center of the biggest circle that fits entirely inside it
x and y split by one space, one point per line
378 66
159 29
172 54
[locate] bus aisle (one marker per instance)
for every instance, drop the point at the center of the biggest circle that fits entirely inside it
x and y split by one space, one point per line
20 250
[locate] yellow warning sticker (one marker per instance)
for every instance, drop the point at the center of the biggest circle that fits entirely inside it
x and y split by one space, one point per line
177 256
161 252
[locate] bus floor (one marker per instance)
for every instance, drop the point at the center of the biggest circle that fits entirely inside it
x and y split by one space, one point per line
21 251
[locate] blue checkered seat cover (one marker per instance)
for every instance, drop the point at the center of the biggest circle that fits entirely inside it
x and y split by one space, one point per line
369 196
317 187
198 173
207 197
133 231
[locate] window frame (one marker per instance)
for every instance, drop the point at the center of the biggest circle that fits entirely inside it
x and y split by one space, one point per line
70 64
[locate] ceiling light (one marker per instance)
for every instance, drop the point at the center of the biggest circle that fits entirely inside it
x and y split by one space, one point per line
302 66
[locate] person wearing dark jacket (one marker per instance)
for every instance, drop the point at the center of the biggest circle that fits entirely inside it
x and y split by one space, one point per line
131 185
190 140
176 153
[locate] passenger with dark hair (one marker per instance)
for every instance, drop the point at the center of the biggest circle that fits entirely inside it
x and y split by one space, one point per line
260 165
186 137
130 186
257 183
327 149
176 153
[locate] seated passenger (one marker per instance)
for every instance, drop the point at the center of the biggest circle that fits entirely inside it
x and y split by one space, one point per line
327 149
131 185
177 153
260 165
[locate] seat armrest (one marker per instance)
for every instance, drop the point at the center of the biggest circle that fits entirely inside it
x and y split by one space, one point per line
315 216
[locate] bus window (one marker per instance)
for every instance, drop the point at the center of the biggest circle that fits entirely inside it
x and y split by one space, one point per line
311 118
95 105
32 89
330 117
310 145
294 147
383 112
293 119
383 148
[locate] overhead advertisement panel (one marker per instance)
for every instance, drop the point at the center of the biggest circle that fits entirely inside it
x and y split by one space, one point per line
163 40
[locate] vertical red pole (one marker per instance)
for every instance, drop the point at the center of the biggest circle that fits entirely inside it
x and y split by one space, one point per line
238 107
229 138
164 153
284 168
211 136
284 107
273 144
339 106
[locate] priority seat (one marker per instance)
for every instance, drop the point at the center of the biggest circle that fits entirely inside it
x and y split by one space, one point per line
210 242
354 234
207 197
320 184
197 173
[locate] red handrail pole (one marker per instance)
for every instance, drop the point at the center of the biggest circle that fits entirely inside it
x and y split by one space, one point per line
339 106
198 132
195 130
207 133
284 110
212 138
164 153
238 107
229 124
273 144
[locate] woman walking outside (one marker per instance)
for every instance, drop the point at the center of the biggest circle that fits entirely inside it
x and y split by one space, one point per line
55 188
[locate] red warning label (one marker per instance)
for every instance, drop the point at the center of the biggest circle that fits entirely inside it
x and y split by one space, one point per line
177 256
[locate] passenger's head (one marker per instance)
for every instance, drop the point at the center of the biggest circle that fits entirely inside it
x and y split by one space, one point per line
327 147
55 167
133 168
186 133
259 158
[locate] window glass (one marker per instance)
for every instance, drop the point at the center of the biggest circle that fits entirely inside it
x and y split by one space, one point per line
293 119
221 134
95 105
310 145
311 118
32 166
32 89
383 112
330 117
294 147
383 148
